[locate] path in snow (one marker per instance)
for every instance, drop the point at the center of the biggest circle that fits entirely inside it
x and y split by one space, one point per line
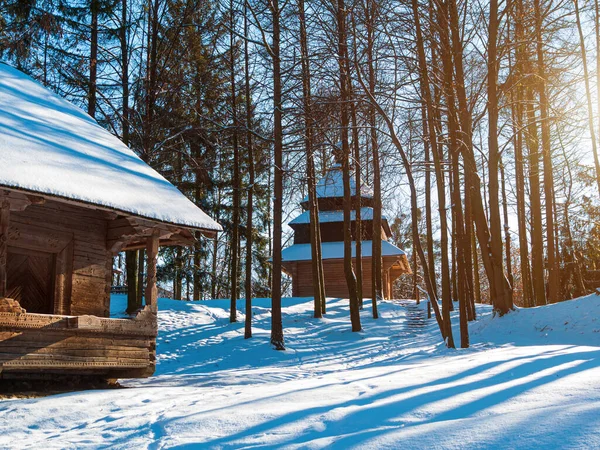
530 380
416 318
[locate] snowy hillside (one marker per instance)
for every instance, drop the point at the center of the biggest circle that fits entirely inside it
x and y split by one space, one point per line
530 380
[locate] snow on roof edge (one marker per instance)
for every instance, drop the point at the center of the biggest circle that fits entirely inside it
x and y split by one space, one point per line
334 216
334 250
51 147
58 197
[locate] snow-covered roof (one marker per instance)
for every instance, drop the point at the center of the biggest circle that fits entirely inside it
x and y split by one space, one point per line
49 146
335 250
366 213
332 185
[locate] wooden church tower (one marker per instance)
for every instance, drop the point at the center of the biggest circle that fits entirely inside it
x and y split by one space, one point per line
296 259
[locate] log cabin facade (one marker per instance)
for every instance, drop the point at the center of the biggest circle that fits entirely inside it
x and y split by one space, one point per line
70 199
297 259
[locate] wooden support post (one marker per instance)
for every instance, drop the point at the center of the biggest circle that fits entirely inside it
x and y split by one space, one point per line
4 219
386 284
389 284
151 257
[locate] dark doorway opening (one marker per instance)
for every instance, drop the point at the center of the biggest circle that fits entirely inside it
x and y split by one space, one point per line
31 279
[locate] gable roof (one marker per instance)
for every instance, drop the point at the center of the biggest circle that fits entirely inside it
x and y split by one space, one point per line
49 146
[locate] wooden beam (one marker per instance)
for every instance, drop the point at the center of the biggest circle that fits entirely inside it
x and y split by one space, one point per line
151 255
21 199
36 199
4 222
130 233
17 201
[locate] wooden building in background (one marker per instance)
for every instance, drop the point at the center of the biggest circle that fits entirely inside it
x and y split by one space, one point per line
297 258
71 197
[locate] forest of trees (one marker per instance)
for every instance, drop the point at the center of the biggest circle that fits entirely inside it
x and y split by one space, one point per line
476 124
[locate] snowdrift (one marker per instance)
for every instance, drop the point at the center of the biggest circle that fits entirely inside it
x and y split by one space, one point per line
530 380
570 322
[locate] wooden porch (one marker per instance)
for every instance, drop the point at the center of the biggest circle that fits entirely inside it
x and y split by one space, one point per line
83 345
55 273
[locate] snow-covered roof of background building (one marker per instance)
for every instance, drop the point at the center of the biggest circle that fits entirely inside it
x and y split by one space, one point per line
49 146
332 185
335 250
366 213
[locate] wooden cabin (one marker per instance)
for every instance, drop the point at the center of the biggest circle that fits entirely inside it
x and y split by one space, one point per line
297 259
71 197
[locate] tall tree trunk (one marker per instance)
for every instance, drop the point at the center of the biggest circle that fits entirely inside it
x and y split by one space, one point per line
597 33
196 259
178 282
571 259
269 218
124 72
250 209
460 252
235 232
436 153
131 260
130 255
501 298
215 260
151 79
93 81
276 320
428 209
457 212
317 262
449 95
214 286
507 240
119 266
196 156
376 257
572 265
342 45
357 204
453 268
476 281
140 276
468 252
465 128
537 238
518 123
553 269
588 94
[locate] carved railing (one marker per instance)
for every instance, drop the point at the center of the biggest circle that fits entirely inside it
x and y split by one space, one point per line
143 324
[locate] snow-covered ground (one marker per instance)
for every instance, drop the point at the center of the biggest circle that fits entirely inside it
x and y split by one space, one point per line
530 380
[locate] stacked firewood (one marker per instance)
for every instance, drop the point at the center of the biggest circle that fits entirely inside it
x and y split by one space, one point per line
10 305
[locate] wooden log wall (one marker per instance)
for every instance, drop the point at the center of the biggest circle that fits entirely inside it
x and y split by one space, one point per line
4 224
51 224
335 281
